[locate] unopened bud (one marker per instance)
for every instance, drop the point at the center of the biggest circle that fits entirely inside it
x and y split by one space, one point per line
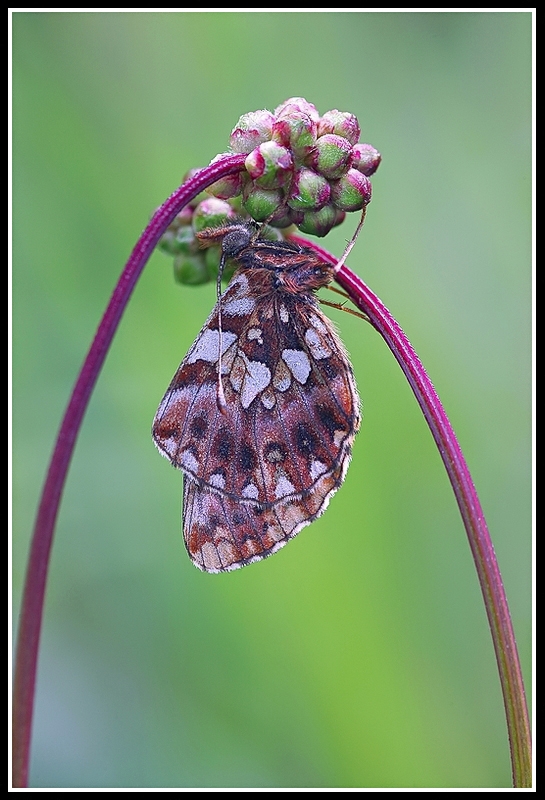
211 212
298 105
261 203
341 123
285 216
365 158
319 223
269 165
190 270
330 156
309 191
296 131
227 187
212 257
179 235
251 130
351 192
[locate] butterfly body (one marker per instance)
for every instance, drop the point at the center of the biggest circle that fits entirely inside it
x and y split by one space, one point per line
263 454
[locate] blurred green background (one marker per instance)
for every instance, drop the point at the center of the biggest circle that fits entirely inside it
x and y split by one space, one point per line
358 656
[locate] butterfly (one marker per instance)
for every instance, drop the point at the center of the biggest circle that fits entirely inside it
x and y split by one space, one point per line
261 415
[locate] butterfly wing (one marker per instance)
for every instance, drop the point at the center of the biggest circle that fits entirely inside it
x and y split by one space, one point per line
262 464
222 533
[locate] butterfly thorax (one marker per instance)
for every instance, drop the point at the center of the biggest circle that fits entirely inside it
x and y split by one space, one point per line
285 268
279 266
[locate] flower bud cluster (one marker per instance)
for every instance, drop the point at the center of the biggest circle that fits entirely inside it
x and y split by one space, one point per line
192 264
301 169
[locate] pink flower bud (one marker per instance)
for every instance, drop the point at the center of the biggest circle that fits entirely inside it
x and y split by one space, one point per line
297 105
227 187
269 165
340 123
365 158
251 130
296 131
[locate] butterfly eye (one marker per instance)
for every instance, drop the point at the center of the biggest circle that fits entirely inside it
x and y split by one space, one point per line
235 241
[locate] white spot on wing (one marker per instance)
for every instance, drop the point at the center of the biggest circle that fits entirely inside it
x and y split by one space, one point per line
317 468
283 487
255 333
318 324
268 399
317 344
298 363
217 480
206 347
250 491
238 306
257 378
240 280
188 461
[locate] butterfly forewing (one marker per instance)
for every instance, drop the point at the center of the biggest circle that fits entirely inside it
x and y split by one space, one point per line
263 462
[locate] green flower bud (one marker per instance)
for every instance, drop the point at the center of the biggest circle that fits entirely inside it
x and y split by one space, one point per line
212 256
285 217
270 233
211 212
330 156
319 223
261 203
296 131
309 191
190 270
178 237
351 192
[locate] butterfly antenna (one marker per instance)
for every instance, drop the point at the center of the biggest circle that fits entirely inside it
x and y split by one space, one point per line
352 242
220 398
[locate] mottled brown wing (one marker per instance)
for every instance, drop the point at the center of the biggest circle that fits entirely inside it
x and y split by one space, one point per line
291 407
222 534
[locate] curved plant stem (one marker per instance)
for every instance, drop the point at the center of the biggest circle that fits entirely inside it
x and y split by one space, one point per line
35 582
383 322
488 572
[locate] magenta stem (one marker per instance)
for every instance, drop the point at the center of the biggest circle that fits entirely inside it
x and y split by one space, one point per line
488 572
31 615
381 319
